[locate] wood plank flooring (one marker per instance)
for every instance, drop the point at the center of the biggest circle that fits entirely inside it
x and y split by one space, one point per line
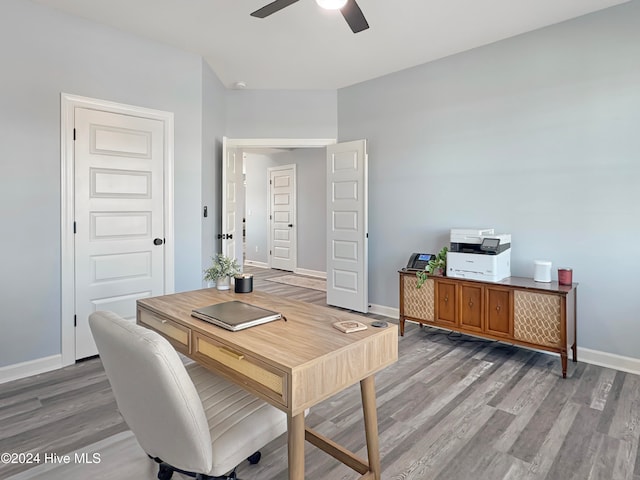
452 407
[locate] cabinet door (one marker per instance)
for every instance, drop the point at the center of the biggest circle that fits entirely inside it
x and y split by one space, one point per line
446 303
537 318
499 320
417 302
471 306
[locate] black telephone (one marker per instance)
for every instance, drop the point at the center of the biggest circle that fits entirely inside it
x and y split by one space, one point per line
419 261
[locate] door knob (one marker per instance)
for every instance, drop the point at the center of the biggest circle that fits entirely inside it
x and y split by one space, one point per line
158 241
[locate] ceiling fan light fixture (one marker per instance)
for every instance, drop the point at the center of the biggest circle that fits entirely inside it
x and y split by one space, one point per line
332 4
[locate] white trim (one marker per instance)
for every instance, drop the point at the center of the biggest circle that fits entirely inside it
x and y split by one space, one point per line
280 142
68 103
32 367
311 273
254 263
609 360
390 312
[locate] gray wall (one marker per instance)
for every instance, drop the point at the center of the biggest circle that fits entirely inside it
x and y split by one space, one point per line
44 53
311 204
281 114
213 124
535 136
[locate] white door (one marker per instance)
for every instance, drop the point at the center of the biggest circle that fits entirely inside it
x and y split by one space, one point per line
347 226
231 178
282 217
119 240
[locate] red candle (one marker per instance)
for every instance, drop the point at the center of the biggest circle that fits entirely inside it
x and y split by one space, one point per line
565 276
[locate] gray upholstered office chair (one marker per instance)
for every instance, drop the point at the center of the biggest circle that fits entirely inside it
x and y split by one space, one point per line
194 422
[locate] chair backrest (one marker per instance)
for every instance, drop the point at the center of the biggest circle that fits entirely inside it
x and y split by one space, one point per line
154 392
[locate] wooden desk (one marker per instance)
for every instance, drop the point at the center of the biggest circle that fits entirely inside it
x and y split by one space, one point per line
291 364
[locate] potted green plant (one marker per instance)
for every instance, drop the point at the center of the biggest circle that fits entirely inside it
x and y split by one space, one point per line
436 266
221 270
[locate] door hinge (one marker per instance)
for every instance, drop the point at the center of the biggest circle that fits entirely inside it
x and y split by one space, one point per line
75 321
74 227
74 134
269 252
270 217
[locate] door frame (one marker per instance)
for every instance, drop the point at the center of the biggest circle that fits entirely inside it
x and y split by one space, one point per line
68 104
294 209
242 143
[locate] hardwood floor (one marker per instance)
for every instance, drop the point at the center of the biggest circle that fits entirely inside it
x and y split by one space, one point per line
452 407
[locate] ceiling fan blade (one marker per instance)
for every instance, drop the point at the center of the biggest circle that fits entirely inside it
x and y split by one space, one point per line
273 7
354 16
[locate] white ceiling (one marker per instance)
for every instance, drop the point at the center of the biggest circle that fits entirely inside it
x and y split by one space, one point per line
306 47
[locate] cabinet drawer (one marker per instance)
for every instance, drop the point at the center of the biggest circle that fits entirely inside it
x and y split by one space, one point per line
250 371
536 318
178 335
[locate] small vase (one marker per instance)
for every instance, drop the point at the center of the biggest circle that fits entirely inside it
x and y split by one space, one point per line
222 283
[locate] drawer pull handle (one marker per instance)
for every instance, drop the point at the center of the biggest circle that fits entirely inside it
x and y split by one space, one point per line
498 307
470 304
163 321
231 353
446 299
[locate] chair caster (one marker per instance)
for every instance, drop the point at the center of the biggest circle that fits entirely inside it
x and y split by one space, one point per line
255 458
164 472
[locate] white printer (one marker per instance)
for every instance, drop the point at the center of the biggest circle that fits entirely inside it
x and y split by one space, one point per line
479 254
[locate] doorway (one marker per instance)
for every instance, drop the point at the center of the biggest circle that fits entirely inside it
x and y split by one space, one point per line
346 214
257 155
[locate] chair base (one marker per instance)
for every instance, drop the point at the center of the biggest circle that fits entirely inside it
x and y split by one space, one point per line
165 471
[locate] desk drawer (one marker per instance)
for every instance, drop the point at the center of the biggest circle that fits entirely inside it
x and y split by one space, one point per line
250 371
178 335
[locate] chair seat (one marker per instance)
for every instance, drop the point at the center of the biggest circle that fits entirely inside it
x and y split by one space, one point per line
238 421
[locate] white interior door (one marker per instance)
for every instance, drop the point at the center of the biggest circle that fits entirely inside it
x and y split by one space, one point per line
347 226
231 178
282 217
119 216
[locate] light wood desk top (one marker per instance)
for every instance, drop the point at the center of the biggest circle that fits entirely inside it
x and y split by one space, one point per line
292 364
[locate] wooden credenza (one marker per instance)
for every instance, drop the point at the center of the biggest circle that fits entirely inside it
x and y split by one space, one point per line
515 310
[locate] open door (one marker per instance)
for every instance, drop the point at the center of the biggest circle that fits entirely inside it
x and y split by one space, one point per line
231 178
347 226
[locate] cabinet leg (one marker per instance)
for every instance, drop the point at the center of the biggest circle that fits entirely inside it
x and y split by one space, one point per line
401 326
574 349
563 357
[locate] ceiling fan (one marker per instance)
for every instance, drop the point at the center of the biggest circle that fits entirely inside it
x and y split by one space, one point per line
349 9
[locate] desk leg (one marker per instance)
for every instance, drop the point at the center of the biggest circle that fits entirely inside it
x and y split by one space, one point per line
368 392
295 443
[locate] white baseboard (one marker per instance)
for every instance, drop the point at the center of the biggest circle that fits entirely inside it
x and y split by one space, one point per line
310 273
390 312
254 263
609 360
32 367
